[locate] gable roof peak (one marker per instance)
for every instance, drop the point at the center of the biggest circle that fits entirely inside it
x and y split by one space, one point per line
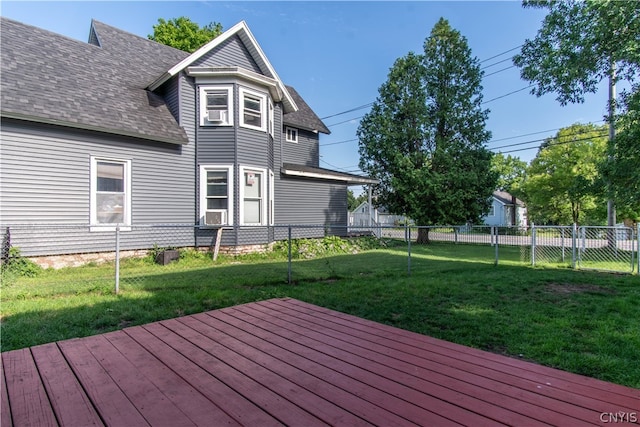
241 29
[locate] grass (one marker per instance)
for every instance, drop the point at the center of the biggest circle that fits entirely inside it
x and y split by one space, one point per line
580 321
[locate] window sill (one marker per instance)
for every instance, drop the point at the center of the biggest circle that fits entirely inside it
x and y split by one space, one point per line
108 227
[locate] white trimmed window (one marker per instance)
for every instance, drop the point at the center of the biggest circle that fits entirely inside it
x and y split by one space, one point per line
271 198
253 200
216 195
492 210
216 105
110 204
271 118
291 134
253 114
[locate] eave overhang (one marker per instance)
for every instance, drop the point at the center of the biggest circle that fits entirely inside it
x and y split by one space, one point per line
302 171
83 126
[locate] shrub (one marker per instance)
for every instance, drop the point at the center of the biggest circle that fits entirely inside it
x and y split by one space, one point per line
17 265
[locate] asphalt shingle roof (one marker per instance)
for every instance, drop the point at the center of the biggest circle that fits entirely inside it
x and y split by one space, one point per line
50 78
304 118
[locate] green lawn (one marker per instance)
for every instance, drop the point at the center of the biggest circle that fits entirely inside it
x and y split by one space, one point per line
580 321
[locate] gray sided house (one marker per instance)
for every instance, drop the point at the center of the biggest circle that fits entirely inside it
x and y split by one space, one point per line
122 132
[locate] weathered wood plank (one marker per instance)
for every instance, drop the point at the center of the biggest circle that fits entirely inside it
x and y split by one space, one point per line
573 384
267 370
327 384
278 407
230 401
413 387
389 395
28 398
151 402
70 404
191 402
407 360
5 408
112 404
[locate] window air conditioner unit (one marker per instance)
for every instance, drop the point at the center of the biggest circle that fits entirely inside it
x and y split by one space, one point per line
216 115
215 218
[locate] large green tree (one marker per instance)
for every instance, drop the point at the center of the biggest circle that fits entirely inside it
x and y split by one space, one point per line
424 138
562 184
579 45
511 173
184 34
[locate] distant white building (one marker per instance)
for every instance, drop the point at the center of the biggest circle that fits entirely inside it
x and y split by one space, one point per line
359 217
506 210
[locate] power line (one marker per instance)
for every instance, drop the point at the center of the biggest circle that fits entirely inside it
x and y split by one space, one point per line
499 71
339 142
369 104
496 63
345 121
535 133
348 111
553 144
501 53
507 94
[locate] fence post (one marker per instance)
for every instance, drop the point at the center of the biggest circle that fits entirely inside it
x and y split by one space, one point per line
574 245
289 257
562 241
533 244
117 259
455 235
497 233
409 250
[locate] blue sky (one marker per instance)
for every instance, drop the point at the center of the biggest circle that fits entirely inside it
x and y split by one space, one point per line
337 54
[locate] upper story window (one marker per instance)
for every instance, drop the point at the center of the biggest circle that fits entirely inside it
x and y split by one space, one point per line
216 105
253 112
110 193
291 134
271 118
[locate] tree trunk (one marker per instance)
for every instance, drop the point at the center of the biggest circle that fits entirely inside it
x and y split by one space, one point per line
423 236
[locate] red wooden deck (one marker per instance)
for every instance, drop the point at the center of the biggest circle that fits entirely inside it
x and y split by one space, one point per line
286 362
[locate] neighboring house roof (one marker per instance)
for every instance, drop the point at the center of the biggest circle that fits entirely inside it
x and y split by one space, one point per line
304 118
291 169
49 78
506 198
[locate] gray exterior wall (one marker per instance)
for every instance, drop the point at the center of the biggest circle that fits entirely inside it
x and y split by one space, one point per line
303 201
45 179
230 53
305 152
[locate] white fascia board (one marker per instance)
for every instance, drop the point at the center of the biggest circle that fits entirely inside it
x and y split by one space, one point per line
318 175
239 73
242 30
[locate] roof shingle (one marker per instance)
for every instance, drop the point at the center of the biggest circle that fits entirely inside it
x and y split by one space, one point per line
50 78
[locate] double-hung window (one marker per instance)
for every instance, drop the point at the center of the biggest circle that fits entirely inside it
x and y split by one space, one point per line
216 195
291 134
110 204
253 112
253 196
216 105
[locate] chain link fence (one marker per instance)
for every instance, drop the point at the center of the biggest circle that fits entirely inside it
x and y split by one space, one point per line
153 255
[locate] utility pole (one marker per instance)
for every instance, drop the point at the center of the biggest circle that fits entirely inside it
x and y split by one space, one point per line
611 209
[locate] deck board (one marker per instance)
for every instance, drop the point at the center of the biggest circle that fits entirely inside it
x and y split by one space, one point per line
287 362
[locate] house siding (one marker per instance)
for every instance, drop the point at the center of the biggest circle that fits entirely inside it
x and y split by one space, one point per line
45 180
232 52
171 92
300 201
305 152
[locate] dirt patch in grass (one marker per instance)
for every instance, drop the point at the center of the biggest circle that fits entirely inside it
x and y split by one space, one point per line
575 288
